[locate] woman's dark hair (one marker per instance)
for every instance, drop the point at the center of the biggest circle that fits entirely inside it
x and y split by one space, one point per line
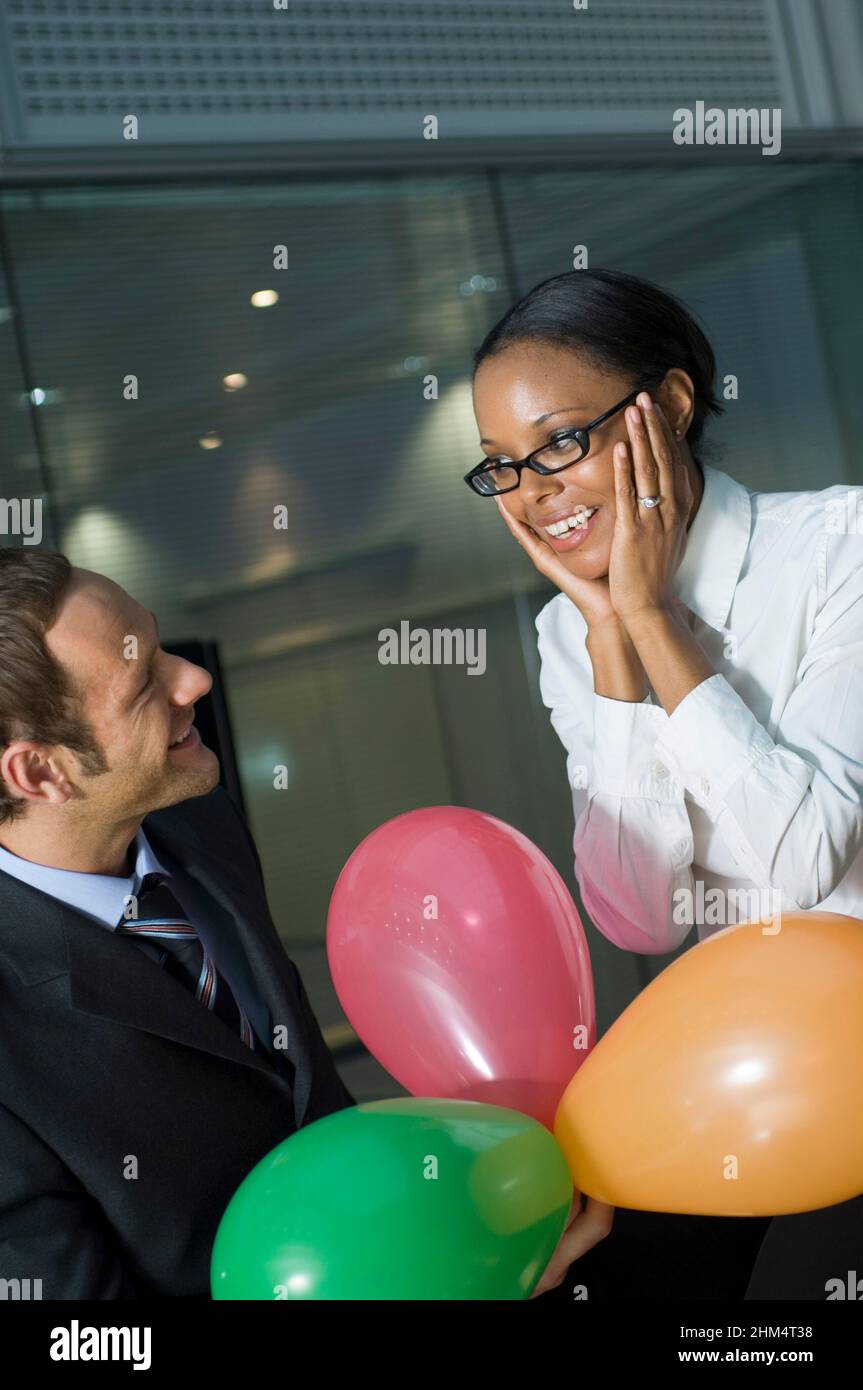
621 322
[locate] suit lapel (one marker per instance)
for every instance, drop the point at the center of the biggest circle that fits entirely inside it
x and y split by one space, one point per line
128 987
111 978
43 938
246 902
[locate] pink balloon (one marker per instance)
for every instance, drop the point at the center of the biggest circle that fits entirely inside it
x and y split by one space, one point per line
458 956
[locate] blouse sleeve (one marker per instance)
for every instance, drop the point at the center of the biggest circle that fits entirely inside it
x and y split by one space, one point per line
789 807
633 840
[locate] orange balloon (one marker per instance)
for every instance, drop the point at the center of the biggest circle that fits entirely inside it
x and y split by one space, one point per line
733 1084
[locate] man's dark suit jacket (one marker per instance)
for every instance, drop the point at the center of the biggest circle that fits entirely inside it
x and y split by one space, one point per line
106 1060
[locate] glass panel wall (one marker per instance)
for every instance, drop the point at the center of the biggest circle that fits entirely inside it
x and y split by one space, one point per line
347 411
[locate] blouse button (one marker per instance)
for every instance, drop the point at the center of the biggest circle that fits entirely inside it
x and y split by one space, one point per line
660 770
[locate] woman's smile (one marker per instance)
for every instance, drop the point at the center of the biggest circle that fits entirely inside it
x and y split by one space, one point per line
563 529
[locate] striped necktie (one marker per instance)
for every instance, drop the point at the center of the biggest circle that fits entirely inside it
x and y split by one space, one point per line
160 918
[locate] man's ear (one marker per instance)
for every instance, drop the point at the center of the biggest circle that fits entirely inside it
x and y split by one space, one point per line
33 771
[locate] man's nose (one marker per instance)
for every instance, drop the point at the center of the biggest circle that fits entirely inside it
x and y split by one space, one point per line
192 682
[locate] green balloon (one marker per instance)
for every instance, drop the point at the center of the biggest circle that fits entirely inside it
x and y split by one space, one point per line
399 1199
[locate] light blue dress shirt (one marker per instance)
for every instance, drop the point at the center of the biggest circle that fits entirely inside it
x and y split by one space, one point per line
104 898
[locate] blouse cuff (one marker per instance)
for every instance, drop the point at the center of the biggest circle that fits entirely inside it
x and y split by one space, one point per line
710 740
625 760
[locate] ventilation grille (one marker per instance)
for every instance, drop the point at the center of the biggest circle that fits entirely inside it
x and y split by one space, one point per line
329 69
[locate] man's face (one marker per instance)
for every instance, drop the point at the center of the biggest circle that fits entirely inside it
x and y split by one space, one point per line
137 699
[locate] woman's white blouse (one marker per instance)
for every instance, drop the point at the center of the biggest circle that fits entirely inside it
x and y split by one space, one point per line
755 782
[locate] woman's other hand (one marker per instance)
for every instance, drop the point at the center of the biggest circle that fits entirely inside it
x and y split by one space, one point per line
584 1228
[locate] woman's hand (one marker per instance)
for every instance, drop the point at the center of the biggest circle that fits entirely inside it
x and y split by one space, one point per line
648 542
590 596
584 1229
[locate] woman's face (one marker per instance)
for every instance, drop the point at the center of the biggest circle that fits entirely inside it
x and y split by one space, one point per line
522 397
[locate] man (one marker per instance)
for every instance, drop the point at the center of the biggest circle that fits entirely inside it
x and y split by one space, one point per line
153 1048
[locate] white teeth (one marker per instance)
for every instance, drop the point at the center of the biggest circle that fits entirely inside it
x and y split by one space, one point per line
178 741
578 519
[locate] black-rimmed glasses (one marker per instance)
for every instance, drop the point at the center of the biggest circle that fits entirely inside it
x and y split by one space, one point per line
567 447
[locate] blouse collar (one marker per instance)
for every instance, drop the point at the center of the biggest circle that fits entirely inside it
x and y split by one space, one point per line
716 545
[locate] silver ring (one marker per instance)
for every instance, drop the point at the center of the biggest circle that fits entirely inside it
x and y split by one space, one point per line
650 501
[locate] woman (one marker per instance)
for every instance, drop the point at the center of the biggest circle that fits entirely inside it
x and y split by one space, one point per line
703 661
